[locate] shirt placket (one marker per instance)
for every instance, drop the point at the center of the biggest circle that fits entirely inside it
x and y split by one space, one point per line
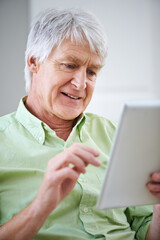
86 205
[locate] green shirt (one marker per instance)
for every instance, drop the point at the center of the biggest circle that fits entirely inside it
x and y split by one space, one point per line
26 146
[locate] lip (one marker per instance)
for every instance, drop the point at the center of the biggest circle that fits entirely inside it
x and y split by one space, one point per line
71 96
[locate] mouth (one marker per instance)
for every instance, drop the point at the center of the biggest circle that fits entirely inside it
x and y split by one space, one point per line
71 96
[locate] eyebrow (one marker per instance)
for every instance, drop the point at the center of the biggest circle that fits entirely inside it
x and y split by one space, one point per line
72 58
79 61
96 66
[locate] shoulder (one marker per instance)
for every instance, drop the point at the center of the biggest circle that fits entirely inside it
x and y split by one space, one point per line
6 121
100 125
96 120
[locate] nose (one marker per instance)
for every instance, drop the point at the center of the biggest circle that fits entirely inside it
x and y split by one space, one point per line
79 79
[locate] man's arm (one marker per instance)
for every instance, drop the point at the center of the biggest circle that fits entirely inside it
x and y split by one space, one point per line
59 181
154 228
25 224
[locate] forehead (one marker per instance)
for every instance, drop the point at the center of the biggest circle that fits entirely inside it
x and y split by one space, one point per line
78 53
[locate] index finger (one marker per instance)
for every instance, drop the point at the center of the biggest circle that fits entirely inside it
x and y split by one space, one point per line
94 151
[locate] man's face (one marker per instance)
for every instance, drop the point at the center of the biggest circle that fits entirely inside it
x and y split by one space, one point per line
65 82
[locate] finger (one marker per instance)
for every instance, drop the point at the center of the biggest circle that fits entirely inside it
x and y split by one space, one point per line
87 157
155 176
154 187
65 173
64 159
78 155
79 146
77 162
156 194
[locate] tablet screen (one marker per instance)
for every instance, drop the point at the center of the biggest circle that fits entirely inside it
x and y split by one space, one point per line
135 154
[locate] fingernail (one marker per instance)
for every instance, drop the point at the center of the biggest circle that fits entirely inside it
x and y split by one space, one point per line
97 153
98 162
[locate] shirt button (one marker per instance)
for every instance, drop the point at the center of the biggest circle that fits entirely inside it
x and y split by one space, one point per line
85 209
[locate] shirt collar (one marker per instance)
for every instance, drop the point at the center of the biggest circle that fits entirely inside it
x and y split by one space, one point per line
35 126
30 122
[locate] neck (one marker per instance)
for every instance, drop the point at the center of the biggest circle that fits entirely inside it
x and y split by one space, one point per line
62 127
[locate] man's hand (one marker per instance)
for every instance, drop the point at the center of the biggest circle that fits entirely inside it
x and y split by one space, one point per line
60 178
154 187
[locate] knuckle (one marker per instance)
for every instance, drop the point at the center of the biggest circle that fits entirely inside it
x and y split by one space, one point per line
91 158
69 156
68 172
75 145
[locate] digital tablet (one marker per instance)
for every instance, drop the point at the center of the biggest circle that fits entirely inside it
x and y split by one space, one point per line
135 154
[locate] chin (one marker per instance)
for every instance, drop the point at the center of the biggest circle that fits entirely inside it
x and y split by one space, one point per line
70 116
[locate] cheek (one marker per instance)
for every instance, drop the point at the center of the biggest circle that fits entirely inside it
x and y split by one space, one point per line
50 84
58 79
90 90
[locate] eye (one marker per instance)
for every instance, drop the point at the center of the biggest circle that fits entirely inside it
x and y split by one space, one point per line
91 73
70 66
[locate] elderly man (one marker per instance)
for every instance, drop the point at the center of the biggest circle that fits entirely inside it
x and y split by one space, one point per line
52 154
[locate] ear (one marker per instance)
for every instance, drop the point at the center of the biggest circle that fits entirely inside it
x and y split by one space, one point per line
33 64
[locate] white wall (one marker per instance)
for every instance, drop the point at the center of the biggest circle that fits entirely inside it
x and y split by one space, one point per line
13 35
132 69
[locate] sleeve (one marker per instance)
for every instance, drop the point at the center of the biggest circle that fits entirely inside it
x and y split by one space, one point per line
139 219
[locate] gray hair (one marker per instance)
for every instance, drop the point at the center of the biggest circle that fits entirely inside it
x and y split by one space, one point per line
53 26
